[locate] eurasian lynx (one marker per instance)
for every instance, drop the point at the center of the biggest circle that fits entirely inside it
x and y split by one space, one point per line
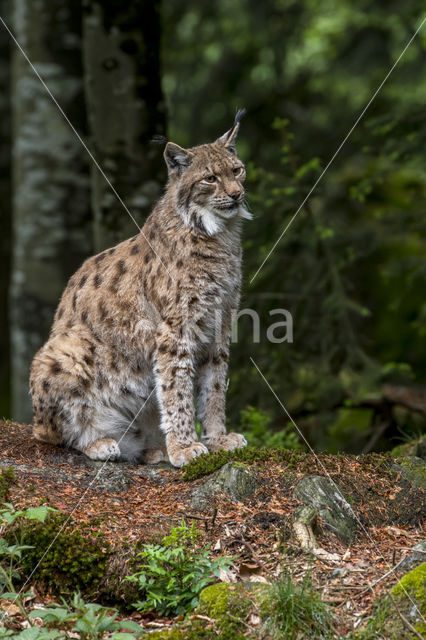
136 333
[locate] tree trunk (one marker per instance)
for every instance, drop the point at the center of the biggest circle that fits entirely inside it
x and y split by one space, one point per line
5 195
126 108
51 212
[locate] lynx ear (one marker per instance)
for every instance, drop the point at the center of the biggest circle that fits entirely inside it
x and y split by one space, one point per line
177 159
228 138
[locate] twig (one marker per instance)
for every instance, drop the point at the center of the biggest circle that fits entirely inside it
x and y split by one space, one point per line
191 516
214 516
385 575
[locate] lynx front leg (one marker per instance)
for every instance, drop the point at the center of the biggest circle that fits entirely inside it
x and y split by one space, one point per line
175 391
211 403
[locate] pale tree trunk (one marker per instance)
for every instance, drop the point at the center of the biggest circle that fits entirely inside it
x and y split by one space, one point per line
5 213
51 206
126 108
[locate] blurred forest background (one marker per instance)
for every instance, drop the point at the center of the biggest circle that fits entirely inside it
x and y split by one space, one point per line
351 269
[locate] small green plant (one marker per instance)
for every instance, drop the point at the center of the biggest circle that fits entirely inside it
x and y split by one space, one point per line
175 572
255 426
32 633
294 611
91 621
11 554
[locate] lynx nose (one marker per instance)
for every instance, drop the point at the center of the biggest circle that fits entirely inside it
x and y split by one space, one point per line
235 194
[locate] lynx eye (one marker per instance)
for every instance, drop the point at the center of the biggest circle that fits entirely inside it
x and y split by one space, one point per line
209 179
236 171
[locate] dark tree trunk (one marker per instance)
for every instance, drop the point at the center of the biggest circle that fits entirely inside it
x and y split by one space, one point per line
51 214
126 107
5 208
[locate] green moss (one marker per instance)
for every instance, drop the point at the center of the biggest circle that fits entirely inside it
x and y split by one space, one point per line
290 458
414 582
7 479
67 558
415 470
208 463
228 606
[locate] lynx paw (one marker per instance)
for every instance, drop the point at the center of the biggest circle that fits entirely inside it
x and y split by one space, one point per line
228 442
103 449
179 456
153 456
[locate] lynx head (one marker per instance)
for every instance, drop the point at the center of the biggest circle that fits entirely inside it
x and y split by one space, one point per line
208 182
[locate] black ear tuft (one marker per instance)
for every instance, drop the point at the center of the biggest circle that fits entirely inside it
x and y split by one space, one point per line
240 115
157 139
228 138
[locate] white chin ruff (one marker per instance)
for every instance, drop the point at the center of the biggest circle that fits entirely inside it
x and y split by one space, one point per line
215 221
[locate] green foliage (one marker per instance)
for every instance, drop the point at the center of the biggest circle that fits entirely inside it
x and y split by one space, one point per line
7 479
67 558
210 462
11 554
350 268
91 621
174 572
295 611
255 426
33 633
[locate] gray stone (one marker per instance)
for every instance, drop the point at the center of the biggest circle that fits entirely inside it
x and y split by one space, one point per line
328 501
413 469
417 557
234 479
109 477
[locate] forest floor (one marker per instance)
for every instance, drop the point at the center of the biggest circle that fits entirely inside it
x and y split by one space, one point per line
138 503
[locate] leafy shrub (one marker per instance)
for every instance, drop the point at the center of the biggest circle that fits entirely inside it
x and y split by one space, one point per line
174 572
255 426
296 611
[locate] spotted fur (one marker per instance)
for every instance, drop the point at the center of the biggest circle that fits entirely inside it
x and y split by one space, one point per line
142 329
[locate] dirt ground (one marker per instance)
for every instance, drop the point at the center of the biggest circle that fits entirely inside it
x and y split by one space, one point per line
131 503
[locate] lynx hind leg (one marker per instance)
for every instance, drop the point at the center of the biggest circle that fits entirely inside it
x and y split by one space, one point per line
46 433
61 374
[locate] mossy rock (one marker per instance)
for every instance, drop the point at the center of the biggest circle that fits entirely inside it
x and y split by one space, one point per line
234 479
413 448
323 495
410 597
413 469
227 606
